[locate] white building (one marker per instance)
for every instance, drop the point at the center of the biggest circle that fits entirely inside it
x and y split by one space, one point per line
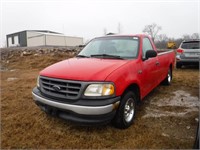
29 38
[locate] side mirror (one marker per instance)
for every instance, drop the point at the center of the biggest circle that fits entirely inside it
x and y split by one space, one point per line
150 54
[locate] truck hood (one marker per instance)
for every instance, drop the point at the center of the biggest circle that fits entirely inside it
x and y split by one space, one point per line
83 69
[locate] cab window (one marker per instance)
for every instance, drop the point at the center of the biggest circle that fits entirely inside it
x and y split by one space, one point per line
146 45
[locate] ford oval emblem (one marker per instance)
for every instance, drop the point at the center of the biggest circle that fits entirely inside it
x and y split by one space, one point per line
56 88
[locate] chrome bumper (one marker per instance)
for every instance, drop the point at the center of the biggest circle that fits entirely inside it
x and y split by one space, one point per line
84 110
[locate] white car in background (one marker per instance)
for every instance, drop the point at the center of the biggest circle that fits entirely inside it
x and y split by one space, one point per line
188 53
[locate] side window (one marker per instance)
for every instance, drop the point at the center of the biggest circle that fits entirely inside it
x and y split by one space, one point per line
146 45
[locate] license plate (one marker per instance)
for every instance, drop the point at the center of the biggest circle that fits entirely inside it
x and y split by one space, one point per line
192 55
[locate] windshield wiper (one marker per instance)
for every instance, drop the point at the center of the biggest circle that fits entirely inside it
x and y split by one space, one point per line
106 56
82 56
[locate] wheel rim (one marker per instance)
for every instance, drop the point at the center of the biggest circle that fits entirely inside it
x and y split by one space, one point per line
129 110
169 77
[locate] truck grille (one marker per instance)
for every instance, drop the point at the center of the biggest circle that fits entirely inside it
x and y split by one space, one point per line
60 88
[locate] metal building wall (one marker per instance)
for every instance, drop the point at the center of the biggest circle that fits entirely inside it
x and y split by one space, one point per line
35 39
42 39
73 41
53 40
31 38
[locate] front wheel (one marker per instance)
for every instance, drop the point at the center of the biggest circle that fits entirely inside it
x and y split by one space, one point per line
126 111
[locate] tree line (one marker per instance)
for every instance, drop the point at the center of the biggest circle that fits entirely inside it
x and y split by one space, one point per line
161 40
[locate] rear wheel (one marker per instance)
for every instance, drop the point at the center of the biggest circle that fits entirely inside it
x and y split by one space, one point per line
126 111
168 79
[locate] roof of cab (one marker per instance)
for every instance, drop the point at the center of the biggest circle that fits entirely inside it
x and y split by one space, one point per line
119 35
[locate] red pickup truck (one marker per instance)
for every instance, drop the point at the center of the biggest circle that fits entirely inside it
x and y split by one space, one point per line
105 81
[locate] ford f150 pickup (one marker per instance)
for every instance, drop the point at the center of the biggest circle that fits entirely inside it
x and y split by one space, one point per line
105 81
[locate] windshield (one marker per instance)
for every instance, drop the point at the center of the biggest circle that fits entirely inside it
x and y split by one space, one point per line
121 47
191 45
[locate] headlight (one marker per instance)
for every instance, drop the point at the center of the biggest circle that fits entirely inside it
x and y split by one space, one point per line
99 90
38 81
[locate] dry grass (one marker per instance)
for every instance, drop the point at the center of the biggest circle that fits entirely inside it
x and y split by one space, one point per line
24 125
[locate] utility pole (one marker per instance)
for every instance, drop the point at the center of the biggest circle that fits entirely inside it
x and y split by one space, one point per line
119 28
104 31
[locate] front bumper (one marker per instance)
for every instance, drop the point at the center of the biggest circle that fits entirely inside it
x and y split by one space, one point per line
77 113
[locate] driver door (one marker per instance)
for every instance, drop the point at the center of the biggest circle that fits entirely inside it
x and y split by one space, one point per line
149 68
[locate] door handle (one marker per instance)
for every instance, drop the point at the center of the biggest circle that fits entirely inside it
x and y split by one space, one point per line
157 63
139 71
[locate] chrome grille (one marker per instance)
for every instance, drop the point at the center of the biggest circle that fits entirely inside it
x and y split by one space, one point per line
58 88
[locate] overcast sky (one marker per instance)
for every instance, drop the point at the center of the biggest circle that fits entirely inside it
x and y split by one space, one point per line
88 18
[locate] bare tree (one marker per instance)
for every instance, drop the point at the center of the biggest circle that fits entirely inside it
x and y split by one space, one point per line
161 41
195 36
152 30
186 37
162 37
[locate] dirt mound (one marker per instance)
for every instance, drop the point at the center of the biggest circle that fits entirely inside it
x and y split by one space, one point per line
36 57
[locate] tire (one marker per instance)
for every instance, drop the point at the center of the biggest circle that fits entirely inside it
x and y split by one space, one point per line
126 112
178 65
168 79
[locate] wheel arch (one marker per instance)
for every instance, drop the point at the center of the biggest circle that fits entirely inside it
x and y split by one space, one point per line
135 88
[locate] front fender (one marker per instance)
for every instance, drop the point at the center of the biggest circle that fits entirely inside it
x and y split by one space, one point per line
124 76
